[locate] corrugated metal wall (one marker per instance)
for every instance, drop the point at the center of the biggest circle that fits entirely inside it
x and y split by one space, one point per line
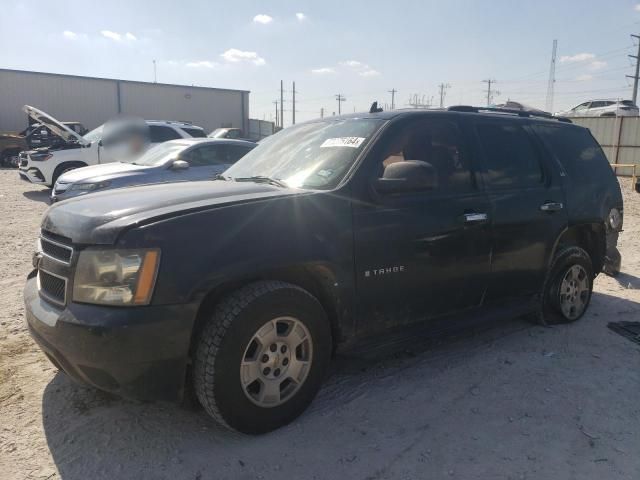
618 136
93 101
66 98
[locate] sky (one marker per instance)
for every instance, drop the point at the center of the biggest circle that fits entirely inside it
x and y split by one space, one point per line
359 49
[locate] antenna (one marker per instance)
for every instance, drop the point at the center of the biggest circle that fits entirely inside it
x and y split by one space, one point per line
552 78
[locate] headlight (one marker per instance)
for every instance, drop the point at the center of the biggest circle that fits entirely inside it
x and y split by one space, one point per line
116 277
88 187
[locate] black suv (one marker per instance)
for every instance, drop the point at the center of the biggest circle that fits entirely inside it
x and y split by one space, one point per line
330 231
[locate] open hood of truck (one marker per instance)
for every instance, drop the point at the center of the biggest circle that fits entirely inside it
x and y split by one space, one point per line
54 125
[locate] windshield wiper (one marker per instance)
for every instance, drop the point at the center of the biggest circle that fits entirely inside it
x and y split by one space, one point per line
262 179
220 176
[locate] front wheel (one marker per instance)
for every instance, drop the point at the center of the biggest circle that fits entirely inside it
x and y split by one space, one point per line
567 291
262 356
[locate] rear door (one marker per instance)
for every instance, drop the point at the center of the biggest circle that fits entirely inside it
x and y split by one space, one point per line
528 206
420 254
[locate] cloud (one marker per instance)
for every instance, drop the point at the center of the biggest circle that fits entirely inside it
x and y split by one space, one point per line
323 70
262 18
352 64
584 78
111 35
578 57
360 68
301 16
69 34
202 64
118 37
233 55
597 65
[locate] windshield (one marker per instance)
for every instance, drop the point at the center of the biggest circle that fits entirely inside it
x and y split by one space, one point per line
94 135
160 154
312 155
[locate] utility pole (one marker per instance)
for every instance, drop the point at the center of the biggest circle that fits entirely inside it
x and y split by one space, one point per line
276 104
155 72
635 77
393 92
552 78
322 112
490 92
340 98
282 103
293 108
443 92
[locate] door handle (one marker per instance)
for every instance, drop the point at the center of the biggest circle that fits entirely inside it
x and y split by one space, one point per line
551 206
475 217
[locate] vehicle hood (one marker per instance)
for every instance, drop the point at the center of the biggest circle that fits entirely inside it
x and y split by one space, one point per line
101 172
54 125
100 217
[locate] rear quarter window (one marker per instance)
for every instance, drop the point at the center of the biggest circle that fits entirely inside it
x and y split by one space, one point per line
194 132
159 134
579 153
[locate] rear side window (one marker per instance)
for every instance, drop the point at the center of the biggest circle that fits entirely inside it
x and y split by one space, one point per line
158 134
511 160
235 153
194 132
577 151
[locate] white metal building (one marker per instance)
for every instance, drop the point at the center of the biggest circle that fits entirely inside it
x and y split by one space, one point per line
93 101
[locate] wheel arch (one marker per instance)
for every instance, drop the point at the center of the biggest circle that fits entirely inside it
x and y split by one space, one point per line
60 168
317 279
591 237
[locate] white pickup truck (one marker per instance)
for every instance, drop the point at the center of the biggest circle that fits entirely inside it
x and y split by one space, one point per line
43 166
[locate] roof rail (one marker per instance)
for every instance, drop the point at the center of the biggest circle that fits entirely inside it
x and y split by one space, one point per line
511 111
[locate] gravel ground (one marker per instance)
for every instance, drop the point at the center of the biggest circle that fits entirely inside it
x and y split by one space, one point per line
510 401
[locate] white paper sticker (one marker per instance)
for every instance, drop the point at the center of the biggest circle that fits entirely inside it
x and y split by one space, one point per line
353 142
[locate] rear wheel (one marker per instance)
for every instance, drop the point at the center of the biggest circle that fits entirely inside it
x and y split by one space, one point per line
567 291
262 356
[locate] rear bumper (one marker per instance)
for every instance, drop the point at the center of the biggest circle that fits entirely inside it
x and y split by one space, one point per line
138 352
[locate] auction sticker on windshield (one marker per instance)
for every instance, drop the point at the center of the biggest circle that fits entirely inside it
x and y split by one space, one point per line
353 142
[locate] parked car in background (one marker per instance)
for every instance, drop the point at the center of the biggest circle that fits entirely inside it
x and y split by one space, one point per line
232 133
602 108
327 233
182 160
32 137
44 165
38 135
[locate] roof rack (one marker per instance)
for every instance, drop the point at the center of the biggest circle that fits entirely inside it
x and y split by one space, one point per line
511 111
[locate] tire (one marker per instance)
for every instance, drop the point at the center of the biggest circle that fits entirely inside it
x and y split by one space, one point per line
568 288
64 168
228 344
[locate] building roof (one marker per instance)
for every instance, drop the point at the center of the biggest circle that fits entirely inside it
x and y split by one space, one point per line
64 75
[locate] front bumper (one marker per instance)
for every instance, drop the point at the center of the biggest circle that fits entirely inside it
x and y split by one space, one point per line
60 195
138 352
32 174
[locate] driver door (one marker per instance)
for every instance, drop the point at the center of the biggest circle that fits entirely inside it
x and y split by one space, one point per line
420 254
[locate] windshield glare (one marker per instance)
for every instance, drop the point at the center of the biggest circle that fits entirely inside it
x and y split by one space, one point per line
312 155
160 154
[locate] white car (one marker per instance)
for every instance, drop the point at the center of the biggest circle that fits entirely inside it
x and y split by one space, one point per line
44 166
602 108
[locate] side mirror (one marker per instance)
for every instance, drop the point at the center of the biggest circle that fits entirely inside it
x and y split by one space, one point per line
407 176
179 165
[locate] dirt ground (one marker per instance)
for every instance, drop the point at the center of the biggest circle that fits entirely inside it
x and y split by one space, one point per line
509 401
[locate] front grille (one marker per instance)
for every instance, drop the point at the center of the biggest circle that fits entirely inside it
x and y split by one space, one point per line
56 250
52 287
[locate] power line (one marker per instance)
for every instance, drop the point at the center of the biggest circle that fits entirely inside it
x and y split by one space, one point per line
552 77
393 92
443 92
637 74
281 103
340 98
490 92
